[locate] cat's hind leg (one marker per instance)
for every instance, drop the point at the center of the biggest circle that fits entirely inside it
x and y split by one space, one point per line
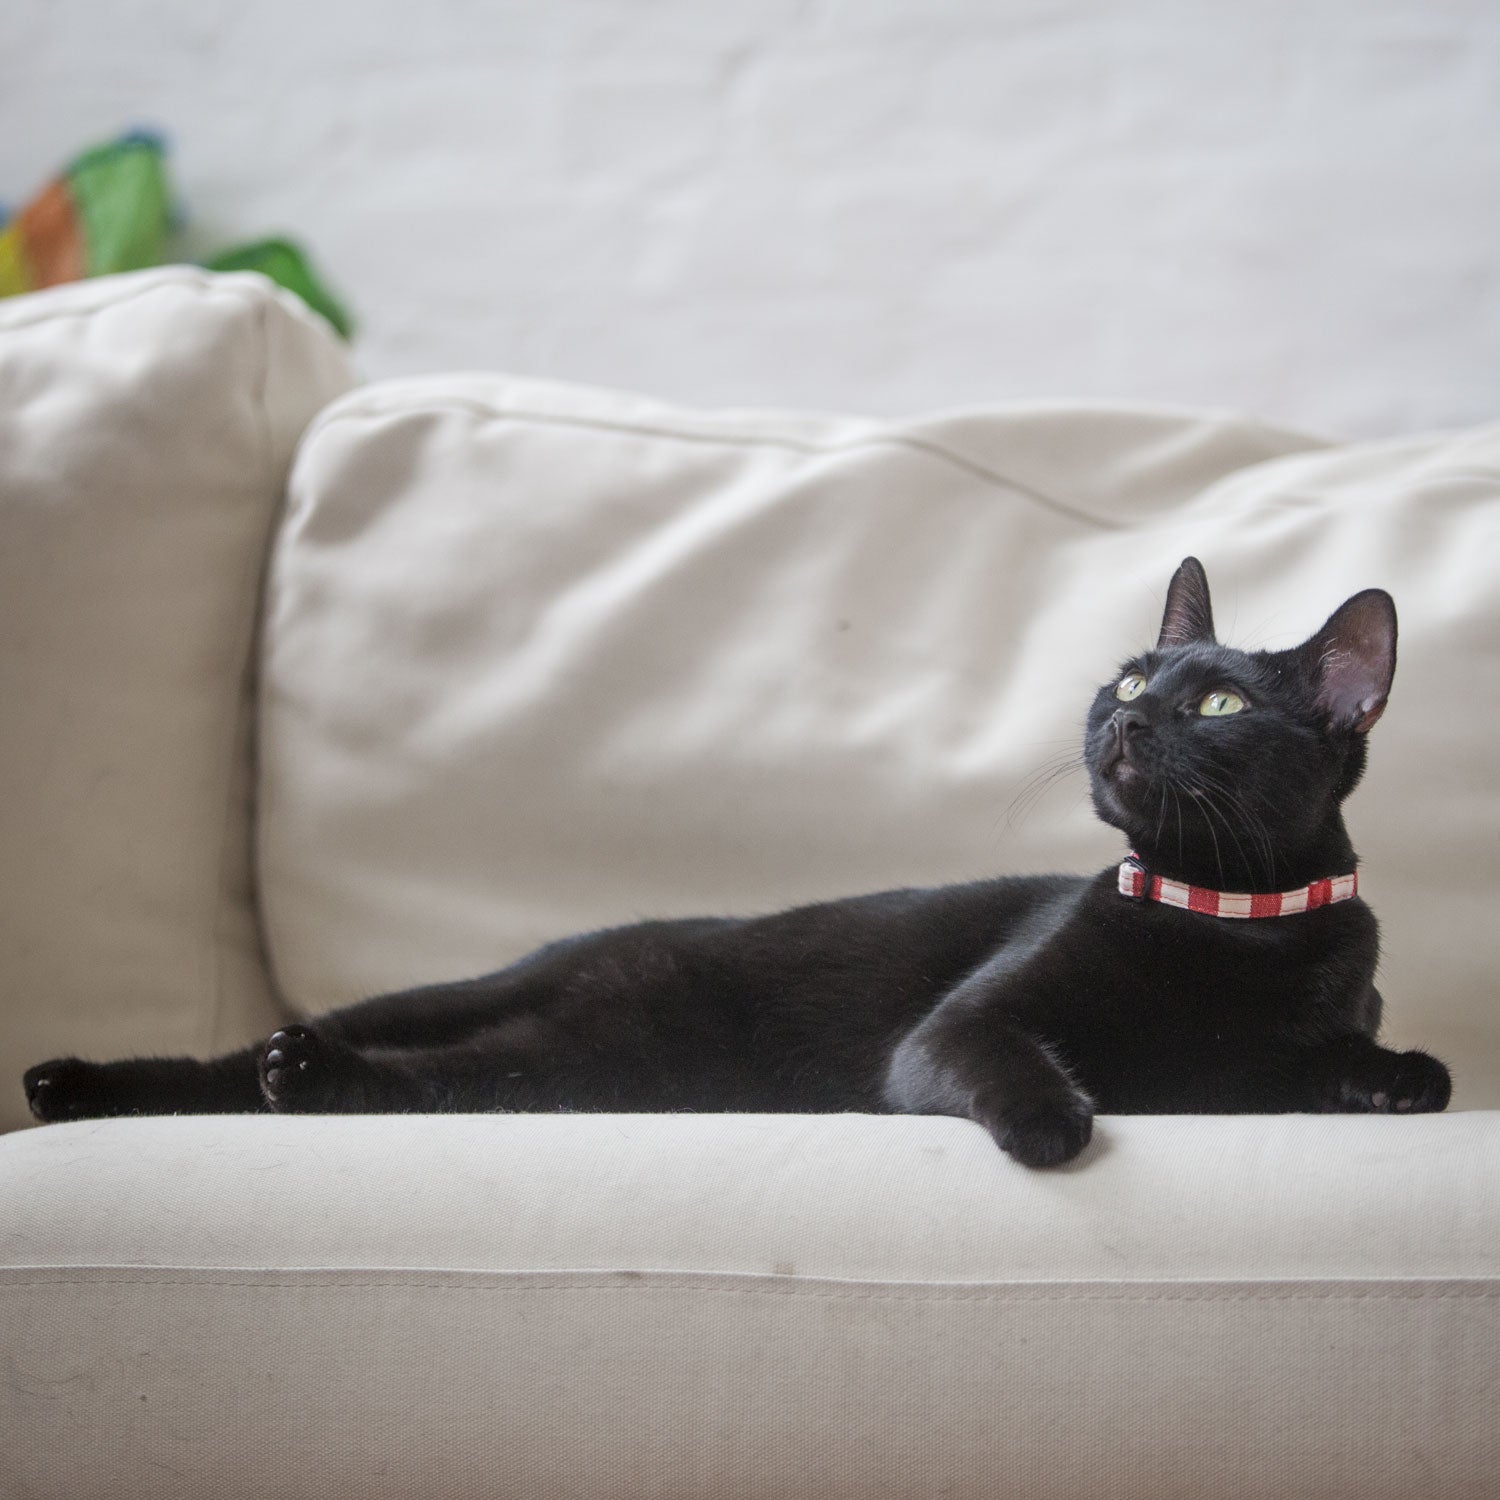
303 1070
68 1088
313 1070
439 1015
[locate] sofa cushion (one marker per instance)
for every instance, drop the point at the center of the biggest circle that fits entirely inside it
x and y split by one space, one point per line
146 427
748 1306
543 658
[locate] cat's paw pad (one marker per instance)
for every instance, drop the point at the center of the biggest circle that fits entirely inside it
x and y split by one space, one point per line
1043 1132
1408 1083
291 1068
67 1088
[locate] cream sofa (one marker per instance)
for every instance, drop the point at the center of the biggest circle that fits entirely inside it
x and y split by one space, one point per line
309 690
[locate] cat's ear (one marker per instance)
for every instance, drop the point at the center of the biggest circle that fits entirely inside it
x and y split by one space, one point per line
1188 616
1352 660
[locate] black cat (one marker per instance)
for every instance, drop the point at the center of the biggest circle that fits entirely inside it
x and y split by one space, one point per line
1026 1004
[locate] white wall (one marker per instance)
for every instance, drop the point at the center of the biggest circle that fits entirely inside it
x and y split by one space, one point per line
1283 205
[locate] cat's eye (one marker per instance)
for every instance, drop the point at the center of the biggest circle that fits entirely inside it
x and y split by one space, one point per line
1219 703
1131 685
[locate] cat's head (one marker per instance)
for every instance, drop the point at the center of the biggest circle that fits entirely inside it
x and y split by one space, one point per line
1226 768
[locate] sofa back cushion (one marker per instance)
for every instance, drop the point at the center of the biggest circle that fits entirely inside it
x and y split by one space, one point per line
146 427
541 659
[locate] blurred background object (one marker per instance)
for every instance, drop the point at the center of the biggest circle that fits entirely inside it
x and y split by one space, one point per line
1287 207
111 210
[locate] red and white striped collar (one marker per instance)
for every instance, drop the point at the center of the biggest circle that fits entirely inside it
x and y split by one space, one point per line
1140 885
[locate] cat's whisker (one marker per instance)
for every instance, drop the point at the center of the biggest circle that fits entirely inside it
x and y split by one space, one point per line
1214 809
1252 825
1052 770
1206 802
1265 847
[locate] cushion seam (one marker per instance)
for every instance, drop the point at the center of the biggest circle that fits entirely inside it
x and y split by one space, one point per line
187 277
92 309
242 706
747 440
668 1282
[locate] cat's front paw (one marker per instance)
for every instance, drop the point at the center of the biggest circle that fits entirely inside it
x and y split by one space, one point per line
291 1069
1395 1083
67 1088
1043 1131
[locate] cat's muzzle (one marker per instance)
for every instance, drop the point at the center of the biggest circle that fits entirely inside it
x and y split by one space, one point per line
1121 761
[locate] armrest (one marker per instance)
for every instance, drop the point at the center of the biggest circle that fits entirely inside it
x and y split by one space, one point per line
751 1305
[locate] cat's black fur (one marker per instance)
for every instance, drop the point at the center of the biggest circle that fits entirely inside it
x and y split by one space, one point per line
1026 1004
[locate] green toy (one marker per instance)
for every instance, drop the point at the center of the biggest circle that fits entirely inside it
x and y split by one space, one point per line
287 266
111 210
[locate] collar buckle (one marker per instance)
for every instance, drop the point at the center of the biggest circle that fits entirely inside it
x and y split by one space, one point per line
1133 878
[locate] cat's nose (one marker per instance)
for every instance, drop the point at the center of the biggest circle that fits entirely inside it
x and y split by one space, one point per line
1128 721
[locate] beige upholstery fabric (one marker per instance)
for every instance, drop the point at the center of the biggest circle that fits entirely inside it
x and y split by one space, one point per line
749 1306
542 658
146 426
538 658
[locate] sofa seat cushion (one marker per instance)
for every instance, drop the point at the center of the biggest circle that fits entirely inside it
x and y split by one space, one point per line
146 428
541 659
749 1306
